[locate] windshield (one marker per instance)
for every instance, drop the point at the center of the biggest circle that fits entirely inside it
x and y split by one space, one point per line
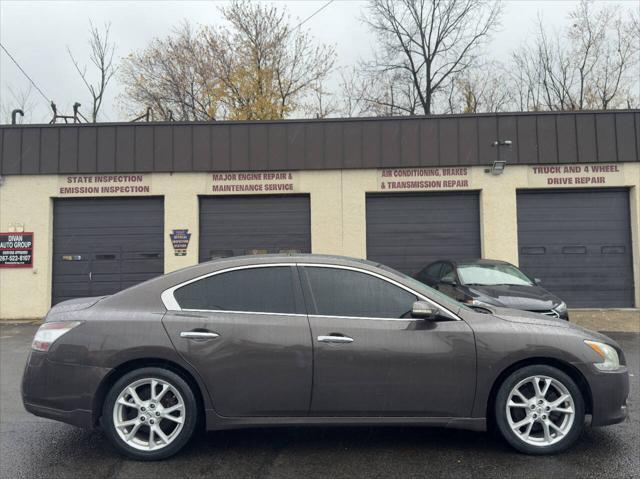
429 292
492 275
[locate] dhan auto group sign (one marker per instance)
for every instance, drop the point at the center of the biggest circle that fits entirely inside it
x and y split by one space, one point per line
16 250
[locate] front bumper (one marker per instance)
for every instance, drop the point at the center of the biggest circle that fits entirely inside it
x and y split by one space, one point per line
609 392
61 391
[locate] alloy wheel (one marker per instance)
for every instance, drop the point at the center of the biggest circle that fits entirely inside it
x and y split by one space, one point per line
540 410
149 414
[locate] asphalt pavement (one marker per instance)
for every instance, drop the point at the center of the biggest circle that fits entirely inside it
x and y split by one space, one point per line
33 448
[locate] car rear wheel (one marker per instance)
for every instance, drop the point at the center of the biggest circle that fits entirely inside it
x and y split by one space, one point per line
150 413
539 410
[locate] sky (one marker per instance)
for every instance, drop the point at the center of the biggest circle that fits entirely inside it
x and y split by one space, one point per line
38 34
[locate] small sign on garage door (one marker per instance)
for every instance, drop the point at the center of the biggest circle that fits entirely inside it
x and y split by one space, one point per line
16 250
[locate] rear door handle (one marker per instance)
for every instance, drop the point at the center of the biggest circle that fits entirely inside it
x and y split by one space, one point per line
198 335
335 339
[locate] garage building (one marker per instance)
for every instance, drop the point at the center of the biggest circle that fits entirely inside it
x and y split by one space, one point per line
95 208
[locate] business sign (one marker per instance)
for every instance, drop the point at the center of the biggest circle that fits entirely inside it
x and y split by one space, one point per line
180 241
254 182
407 179
16 250
95 185
576 175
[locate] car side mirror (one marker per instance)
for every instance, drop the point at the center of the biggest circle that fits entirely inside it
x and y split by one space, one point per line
424 310
449 281
537 280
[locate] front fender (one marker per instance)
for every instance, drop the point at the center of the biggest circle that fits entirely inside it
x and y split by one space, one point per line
502 344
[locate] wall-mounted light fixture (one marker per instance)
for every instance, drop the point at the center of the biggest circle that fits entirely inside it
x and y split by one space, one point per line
499 165
497 168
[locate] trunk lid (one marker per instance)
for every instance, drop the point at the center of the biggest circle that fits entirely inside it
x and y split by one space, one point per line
71 305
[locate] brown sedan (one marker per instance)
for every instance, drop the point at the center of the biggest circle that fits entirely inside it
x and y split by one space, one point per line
281 340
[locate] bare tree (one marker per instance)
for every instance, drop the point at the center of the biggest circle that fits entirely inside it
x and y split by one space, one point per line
368 92
255 67
616 68
426 43
486 88
102 52
351 91
591 65
321 102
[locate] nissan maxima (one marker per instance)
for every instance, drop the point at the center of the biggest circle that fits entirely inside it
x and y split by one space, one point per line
308 340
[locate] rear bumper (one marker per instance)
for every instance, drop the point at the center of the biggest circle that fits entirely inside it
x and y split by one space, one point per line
77 417
609 391
60 391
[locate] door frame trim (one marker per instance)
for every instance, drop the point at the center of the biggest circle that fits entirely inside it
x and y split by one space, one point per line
169 300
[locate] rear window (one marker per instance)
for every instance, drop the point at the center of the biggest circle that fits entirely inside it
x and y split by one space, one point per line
261 290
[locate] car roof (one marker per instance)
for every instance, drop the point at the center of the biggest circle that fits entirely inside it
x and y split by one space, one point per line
480 261
294 258
135 295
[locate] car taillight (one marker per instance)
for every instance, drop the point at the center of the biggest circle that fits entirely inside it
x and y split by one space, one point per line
48 333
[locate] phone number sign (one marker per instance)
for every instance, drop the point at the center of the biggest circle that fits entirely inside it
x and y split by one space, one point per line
16 250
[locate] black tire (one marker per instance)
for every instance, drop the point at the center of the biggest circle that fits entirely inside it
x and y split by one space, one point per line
516 441
181 438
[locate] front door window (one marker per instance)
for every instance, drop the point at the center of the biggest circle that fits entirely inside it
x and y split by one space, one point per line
341 292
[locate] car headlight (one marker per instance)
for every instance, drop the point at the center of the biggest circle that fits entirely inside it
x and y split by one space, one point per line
561 308
610 359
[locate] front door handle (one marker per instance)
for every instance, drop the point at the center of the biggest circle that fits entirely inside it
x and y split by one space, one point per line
335 339
198 335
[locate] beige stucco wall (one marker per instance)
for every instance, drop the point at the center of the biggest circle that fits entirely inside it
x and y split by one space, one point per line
338 222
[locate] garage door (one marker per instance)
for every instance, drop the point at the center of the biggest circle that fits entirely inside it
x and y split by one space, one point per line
579 244
238 225
408 231
104 245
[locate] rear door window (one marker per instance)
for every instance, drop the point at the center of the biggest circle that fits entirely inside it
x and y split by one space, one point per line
342 292
261 290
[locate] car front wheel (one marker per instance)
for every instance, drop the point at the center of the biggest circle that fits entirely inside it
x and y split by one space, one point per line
539 410
149 413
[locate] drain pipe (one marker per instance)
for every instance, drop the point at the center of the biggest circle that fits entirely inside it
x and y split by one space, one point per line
14 113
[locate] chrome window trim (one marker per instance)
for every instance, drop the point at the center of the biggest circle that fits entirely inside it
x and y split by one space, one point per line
368 318
238 312
169 300
384 278
171 304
